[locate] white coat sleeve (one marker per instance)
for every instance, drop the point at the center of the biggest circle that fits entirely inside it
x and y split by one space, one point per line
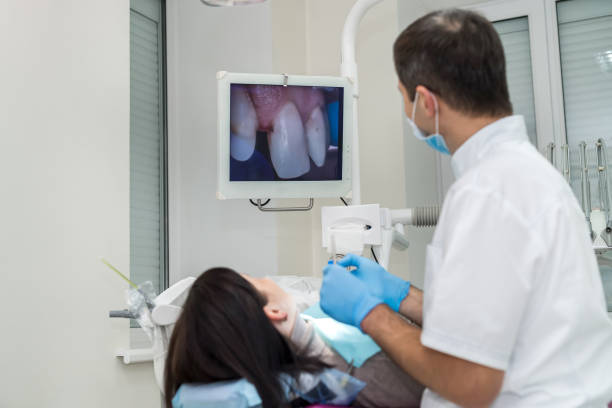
480 269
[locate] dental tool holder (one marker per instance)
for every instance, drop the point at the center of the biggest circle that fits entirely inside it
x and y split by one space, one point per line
585 167
164 314
381 228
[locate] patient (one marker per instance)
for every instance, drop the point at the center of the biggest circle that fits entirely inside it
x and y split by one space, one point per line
234 326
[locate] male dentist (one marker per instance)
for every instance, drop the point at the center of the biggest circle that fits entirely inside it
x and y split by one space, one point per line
513 311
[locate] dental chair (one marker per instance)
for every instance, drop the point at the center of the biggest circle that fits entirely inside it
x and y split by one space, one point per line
157 318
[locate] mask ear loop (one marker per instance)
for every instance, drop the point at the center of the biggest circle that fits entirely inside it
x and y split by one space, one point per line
437 115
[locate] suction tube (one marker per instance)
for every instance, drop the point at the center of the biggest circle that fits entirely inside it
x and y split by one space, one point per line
418 216
426 216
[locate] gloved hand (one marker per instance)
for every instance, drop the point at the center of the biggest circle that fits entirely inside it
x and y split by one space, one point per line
383 285
344 297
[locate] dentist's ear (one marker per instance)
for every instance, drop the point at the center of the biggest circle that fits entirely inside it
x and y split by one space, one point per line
426 101
275 314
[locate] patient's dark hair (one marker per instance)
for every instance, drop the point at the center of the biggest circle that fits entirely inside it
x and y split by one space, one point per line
458 55
224 334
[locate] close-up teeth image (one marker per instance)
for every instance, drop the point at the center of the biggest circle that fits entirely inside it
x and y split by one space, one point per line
317 135
287 144
267 101
306 99
285 133
243 125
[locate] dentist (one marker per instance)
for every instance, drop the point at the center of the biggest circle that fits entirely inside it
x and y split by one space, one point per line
513 311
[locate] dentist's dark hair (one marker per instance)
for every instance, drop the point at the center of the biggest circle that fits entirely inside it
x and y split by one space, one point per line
224 334
458 55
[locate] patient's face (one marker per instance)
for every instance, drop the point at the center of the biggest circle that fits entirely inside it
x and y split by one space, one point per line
280 306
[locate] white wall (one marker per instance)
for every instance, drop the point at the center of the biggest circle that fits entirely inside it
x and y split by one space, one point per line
204 231
64 168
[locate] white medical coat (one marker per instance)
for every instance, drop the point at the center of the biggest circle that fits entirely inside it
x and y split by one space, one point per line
511 278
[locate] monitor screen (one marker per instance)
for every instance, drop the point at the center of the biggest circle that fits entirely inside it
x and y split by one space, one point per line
285 133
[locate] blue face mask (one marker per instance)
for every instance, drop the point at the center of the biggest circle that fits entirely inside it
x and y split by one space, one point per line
435 141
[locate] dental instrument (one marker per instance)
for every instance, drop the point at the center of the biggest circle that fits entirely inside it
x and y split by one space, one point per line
150 304
566 163
604 189
358 226
586 187
334 253
157 322
599 220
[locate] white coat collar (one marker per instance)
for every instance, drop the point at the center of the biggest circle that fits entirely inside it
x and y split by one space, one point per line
473 150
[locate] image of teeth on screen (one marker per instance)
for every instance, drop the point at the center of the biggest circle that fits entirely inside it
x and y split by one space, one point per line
285 132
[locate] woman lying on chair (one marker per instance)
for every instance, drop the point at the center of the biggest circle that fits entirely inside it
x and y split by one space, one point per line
235 326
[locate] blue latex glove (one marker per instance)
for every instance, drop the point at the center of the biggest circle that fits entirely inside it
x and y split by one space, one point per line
344 297
381 284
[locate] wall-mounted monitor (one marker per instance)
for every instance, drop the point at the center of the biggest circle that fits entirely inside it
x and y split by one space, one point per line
283 136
